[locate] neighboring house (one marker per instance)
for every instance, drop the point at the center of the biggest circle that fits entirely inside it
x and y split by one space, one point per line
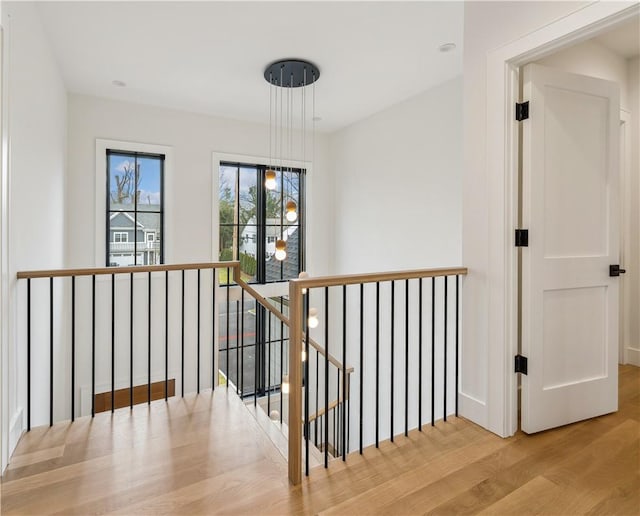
134 242
249 237
290 268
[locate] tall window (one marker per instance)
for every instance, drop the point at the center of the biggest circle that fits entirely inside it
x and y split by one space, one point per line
252 218
135 212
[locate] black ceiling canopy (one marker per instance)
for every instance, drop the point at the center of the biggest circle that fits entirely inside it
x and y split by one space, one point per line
292 73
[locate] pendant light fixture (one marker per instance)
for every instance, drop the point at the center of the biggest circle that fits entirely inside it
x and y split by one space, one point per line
284 387
303 275
281 249
270 179
290 211
288 75
313 318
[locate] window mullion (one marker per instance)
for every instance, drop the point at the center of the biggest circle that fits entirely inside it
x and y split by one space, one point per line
108 205
135 210
261 230
161 233
301 221
281 210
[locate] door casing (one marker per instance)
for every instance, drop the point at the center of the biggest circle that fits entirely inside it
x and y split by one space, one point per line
502 163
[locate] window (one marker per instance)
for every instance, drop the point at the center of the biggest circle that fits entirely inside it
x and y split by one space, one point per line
135 211
252 218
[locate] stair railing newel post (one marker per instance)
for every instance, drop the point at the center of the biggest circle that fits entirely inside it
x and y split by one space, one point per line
295 382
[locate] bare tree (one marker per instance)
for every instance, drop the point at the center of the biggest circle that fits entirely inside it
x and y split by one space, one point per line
127 184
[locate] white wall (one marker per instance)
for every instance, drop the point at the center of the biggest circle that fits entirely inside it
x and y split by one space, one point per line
191 228
634 107
398 183
595 60
189 225
487 26
36 106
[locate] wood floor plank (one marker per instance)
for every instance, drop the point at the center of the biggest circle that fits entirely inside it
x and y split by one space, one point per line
207 454
624 499
214 492
374 501
539 496
27 459
376 466
543 451
583 478
602 465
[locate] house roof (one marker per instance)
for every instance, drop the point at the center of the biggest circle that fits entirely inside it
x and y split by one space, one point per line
290 265
145 220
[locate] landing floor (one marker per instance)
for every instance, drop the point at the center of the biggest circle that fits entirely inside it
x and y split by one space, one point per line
207 455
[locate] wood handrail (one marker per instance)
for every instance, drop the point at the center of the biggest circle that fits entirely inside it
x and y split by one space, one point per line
263 301
100 271
373 277
296 298
321 411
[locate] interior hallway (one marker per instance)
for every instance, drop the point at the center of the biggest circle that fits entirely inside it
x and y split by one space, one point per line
207 454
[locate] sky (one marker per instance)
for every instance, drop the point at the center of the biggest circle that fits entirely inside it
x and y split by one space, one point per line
149 172
247 178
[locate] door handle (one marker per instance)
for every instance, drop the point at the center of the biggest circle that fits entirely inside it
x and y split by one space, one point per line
615 270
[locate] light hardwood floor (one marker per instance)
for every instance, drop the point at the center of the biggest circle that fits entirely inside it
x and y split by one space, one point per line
207 455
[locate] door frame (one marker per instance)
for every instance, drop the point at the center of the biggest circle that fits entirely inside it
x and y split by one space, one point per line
502 169
625 238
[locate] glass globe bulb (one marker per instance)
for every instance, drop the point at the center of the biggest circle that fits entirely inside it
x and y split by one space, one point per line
281 250
303 275
270 179
290 210
291 216
285 384
313 318
304 355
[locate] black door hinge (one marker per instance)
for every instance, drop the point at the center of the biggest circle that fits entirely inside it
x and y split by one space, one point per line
522 111
522 238
521 364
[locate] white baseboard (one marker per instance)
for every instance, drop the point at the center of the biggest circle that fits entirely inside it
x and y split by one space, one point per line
16 429
473 409
633 356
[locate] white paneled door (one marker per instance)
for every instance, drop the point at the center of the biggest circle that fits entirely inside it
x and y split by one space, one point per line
570 155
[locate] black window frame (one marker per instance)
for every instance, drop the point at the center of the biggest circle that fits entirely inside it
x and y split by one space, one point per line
135 155
261 217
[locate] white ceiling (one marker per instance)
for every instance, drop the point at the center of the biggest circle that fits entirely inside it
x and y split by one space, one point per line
624 40
209 57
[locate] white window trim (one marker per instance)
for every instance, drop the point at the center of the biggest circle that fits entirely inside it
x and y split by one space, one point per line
102 146
120 233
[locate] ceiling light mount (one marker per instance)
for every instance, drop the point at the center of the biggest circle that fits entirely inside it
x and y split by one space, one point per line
292 72
447 47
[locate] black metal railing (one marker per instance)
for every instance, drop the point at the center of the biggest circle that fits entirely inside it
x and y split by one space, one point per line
272 353
84 337
145 316
361 316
